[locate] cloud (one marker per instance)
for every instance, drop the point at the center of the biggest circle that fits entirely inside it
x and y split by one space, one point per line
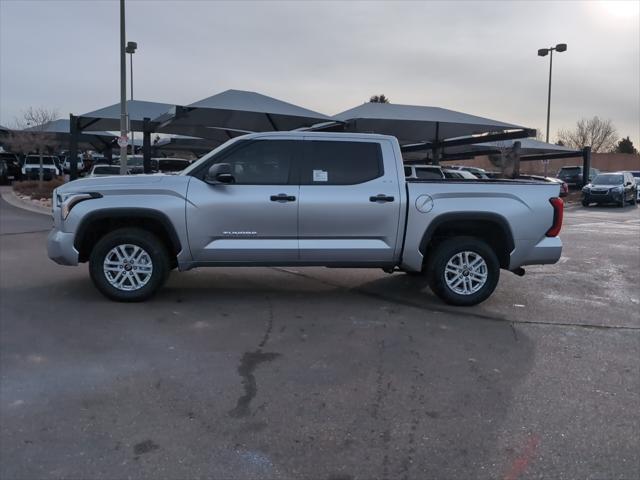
477 57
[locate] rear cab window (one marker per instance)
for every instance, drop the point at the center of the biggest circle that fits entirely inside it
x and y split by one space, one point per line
428 174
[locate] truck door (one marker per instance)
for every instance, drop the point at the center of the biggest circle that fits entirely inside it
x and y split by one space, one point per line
349 202
255 219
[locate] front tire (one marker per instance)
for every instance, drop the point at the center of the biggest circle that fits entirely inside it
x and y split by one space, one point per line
129 265
463 271
585 203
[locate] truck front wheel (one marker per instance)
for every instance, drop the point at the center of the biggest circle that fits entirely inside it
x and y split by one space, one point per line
129 265
463 271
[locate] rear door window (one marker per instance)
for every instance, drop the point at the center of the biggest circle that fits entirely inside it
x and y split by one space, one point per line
341 163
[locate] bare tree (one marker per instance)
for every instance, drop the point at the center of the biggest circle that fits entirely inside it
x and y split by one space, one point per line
600 135
378 99
30 135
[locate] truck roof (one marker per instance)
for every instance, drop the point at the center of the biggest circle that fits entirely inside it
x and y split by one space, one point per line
302 133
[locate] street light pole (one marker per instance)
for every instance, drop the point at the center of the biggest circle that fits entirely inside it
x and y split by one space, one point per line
131 49
123 93
543 52
549 98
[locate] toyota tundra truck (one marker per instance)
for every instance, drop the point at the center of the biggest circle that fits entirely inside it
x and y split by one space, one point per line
305 199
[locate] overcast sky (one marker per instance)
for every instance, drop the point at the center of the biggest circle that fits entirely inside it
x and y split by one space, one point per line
475 57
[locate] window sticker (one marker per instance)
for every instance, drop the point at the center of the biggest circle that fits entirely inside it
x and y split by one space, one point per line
320 176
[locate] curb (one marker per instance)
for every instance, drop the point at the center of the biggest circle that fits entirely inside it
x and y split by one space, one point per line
10 197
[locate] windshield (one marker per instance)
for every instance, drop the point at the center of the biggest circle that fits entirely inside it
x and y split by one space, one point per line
636 174
206 157
135 161
607 180
36 160
173 165
106 170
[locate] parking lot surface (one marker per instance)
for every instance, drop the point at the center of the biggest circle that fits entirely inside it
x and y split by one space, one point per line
316 373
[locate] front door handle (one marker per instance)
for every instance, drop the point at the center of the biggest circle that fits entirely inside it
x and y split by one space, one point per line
381 197
283 197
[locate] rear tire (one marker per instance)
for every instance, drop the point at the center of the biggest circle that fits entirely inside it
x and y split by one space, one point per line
463 271
129 265
585 203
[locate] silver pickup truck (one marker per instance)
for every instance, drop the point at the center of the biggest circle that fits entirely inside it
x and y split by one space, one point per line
300 198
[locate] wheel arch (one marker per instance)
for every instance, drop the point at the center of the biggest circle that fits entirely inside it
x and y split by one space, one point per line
491 227
100 222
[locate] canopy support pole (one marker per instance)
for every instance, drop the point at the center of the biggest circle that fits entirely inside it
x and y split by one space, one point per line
435 151
586 165
146 144
73 147
108 153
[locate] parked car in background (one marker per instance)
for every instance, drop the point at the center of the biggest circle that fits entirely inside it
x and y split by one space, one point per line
636 177
4 172
424 172
572 176
478 172
135 163
104 171
31 167
564 188
618 187
169 165
14 168
66 164
458 174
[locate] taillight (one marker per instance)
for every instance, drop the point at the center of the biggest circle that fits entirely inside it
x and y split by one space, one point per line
558 211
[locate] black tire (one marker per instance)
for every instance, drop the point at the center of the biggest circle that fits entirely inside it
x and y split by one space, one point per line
623 202
445 251
585 203
136 237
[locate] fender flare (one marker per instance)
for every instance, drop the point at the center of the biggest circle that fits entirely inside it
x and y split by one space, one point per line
124 212
454 217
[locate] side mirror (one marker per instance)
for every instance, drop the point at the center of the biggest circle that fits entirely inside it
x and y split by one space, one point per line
219 173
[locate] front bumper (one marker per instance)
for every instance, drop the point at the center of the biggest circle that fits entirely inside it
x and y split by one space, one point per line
609 197
60 247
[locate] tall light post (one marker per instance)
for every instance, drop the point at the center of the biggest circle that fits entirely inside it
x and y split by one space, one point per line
543 52
131 49
123 95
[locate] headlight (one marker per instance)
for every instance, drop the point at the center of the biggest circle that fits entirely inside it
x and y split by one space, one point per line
69 200
586 188
618 189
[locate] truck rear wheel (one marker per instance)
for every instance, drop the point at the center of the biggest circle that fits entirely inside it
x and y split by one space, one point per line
463 271
129 265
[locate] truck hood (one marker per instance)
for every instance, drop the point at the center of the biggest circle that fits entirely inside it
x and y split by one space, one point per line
127 184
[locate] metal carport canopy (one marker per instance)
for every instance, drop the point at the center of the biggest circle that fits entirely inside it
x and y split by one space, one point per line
420 124
528 146
108 118
61 133
236 112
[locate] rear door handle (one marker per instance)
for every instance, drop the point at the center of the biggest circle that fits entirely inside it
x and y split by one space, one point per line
283 197
381 198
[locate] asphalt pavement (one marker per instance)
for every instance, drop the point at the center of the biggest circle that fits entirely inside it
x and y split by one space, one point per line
313 373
